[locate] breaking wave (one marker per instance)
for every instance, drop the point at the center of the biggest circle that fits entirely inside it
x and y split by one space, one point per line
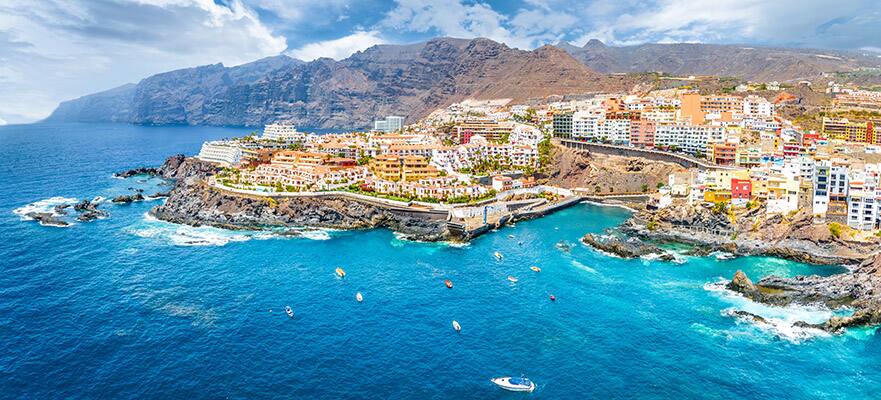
185 235
776 321
42 206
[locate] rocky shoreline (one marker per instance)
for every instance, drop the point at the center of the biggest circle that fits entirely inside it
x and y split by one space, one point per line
794 238
193 202
747 233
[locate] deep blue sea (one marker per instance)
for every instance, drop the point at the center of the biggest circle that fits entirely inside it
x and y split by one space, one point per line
129 307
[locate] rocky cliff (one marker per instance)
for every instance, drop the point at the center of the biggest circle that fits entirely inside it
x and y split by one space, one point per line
193 202
859 289
746 62
748 232
408 80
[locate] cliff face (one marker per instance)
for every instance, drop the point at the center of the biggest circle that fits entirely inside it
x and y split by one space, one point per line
409 80
859 289
684 59
193 202
604 174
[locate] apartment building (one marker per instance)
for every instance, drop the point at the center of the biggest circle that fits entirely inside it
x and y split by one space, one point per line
691 139
285 133
223 152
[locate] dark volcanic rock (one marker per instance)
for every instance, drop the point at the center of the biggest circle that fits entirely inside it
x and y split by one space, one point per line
630 248
47 219
128 198
859 289
137 171
195 203
61 209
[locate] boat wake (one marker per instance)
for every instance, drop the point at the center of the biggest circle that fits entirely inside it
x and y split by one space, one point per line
185 235
579 265
779 322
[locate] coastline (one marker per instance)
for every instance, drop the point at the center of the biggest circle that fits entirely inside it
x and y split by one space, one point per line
195 201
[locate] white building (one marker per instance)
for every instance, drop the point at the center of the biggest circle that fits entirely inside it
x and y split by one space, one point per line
392 123
286 133
755 106
585 124
616 131
687 138
863 201
225 153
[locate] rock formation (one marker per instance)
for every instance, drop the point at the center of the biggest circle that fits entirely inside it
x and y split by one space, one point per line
859 289
408 80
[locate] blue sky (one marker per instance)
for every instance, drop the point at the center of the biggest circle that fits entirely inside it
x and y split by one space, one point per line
53 50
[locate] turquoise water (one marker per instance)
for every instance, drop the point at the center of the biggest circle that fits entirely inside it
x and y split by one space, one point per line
129 307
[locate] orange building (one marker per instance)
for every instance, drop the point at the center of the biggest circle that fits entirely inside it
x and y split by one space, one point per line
690 109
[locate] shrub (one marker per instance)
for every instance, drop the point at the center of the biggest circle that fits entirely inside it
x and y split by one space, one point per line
835 229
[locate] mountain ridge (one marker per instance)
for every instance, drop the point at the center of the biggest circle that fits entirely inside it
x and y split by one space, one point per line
413 79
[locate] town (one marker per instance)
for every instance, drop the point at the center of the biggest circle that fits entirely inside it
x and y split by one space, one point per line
738 151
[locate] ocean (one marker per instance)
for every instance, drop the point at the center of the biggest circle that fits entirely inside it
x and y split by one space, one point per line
131 307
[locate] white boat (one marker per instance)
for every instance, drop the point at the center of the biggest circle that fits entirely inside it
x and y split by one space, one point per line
359 297
498 256
456 326
514 384
720 256
512 279
287 309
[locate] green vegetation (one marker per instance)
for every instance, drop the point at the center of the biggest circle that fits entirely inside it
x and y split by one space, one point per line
720 208
835 229
652 225
645 188
660 185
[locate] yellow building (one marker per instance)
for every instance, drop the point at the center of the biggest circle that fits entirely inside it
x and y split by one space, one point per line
387 167
415 168
844 129
408 168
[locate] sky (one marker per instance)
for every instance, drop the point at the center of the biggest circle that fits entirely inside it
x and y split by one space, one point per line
55 50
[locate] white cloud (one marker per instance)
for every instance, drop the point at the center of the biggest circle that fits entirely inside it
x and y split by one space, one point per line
56 50
452 18
337 48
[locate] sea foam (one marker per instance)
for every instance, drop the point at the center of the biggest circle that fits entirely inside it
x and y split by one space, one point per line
778 321
185 235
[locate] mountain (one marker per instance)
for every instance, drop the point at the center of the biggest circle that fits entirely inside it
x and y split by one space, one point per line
684 59
408 80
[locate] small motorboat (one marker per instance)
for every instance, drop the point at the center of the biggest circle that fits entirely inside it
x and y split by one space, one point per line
513 384
340 272
510 236
456 326
359 297
553 298
535 269
512 278
449 283
498 256
288 311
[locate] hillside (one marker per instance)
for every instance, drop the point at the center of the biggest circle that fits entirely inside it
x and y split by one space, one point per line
684 59
408 80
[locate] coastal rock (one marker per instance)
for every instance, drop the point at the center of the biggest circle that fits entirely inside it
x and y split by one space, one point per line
88 210
91 215
129 198
85 205
160 194
61 209
740 283
859 289
745 315
137 171
47 219
630 248
196 203
176 167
